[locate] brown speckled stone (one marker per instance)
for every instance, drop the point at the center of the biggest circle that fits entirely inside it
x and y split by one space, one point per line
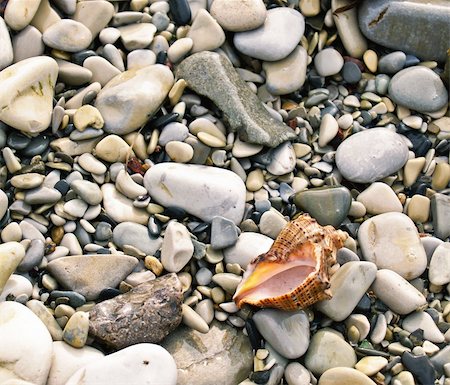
147 313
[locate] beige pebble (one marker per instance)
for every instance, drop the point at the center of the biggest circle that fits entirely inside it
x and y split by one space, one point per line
192 319
371 365
244 149
44 17
211 140
301 149
441 124
402 112
255 180
113 148
357 210
205 32
413 121
179 152
179 49
379 198
344 376
137 142
403 378
176 91
153 264
412 170
76 330
87 116
419 208
102 70
309 8
27 181
19 13
345 121
370 58
328 129
239 15
441 176
205 125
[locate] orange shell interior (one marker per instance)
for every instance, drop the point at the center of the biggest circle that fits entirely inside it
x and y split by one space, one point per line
270 279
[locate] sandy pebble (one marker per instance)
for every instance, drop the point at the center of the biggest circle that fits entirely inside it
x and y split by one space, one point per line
102 70
87 116
344 376
419 208
179 49
238 16
412 170
179 152
439 269
113 148
379 198
205 32
67 35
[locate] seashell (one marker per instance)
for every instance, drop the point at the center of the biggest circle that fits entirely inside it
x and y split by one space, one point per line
294 273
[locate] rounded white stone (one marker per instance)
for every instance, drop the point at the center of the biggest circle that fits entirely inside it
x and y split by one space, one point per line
406 299
276 38
177 248
137 364
391 241
22 333
328 62
200 190
439 270
379 198
67 35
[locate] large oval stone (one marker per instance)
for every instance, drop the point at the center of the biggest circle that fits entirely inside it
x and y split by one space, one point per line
200 190
371 155
67 35
129 99
413 26
26 97
391 241
26 345
276 38
418 88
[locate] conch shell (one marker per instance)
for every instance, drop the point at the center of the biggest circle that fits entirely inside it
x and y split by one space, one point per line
294 273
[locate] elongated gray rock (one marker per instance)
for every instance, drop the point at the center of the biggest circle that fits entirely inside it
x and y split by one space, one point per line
147 313
414 26
90 274
212 75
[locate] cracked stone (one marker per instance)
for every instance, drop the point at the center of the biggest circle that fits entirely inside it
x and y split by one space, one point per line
147 313
224 351
212 75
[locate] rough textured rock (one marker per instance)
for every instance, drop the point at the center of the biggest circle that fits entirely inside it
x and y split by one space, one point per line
90 274
224 351
211 75
413 26
147 313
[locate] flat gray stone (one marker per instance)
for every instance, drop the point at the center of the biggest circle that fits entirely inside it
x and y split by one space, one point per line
134 234
328 349
347 286
328 205
145 314
212 75
418 88
223 233
90 274
440 211
248 246
371 155
286 331
224 351
413 26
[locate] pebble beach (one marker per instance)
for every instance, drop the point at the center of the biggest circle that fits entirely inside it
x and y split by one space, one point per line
153 152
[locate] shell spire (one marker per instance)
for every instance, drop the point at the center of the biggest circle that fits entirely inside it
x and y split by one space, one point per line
294 273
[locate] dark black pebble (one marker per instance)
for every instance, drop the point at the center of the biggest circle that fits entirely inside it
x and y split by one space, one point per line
180 11
420 366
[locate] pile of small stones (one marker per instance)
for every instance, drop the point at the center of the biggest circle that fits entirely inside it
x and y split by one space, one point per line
150 149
